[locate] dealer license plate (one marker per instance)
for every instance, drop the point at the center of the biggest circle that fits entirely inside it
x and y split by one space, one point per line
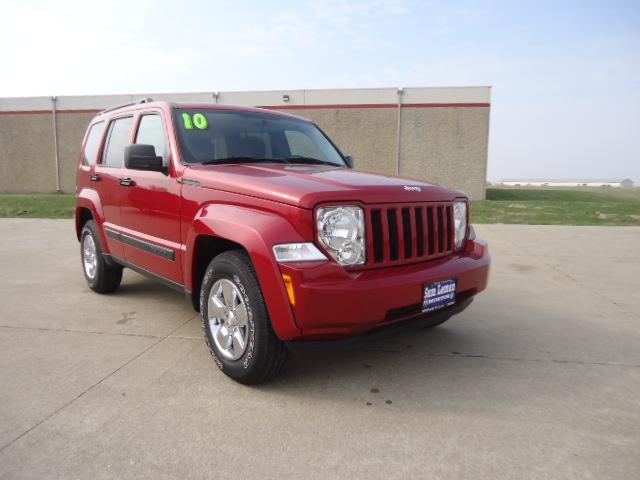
439 295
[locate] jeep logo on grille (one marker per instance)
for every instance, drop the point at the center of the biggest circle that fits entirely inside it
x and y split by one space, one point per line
412 188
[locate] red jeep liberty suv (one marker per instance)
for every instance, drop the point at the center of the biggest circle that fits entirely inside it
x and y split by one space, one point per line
259 219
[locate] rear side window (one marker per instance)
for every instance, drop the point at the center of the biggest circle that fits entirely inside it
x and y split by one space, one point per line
151 132
118 138
93 143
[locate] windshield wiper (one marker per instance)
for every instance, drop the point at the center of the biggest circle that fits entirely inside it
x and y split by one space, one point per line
291 159
240 159
311 160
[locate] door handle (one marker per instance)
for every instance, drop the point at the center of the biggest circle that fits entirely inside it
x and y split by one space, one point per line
94 178
127 182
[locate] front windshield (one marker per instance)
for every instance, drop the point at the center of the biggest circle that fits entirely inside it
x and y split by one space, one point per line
224 136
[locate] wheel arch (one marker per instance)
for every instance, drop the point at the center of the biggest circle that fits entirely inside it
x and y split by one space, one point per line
88 207
205 248
220 227
83 215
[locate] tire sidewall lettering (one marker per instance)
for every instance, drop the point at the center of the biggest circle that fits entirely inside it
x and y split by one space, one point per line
204 299
249 354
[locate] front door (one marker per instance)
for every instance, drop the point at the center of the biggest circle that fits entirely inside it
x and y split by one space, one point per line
150 207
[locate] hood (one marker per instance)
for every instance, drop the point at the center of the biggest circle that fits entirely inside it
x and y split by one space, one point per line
307 185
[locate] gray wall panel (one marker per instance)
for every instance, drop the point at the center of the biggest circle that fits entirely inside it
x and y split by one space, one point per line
368 134
447 146
26 153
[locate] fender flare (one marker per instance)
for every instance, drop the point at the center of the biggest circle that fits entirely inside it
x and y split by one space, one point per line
257 231
89 199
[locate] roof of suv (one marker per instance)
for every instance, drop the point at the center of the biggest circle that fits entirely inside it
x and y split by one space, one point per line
148 102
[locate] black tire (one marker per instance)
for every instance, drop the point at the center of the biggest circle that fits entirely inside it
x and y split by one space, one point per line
107 276
265 355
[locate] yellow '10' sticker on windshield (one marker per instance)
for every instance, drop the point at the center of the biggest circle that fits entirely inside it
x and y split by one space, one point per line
198 120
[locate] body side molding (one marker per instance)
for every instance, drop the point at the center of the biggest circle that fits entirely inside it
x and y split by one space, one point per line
163 252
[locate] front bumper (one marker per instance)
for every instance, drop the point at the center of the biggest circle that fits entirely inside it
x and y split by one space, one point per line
331 302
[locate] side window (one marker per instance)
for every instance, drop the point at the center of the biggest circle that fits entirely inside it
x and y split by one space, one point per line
300 144
118 138
151 132
93 143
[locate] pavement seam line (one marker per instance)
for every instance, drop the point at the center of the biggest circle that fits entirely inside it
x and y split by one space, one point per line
537 360
506 359
99 382
90 332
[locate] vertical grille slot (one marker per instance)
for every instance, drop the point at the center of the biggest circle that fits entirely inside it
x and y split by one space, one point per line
419 231
407 234
376 223
393 234
430 231
440 229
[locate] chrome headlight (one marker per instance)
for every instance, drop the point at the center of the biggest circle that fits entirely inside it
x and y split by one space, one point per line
460 222
341 233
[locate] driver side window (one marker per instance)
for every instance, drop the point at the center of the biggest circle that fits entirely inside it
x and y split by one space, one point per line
151 132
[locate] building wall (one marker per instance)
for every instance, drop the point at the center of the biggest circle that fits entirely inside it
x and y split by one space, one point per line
367 134
71 129
446 146
442 135
26 153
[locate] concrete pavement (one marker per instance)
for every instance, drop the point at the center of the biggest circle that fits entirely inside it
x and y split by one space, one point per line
539 378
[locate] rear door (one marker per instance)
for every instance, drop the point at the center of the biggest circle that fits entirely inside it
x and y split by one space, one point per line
108 174
150 213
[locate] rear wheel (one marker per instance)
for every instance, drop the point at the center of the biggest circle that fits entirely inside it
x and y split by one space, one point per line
236 322
101 277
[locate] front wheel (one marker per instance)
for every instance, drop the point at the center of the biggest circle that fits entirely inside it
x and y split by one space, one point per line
236 322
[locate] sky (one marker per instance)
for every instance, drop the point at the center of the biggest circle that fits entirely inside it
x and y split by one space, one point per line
565 75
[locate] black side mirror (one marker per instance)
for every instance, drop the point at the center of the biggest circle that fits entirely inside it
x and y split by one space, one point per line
142 157
349 160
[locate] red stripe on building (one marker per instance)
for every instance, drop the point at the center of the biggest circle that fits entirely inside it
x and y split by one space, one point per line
287 107
444 105
39 112
374 105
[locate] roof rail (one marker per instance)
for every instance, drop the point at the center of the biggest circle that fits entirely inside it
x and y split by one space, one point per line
142 100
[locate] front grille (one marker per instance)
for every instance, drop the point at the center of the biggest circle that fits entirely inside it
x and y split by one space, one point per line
406 233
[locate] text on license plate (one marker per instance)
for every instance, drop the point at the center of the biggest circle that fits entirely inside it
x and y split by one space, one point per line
439 294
